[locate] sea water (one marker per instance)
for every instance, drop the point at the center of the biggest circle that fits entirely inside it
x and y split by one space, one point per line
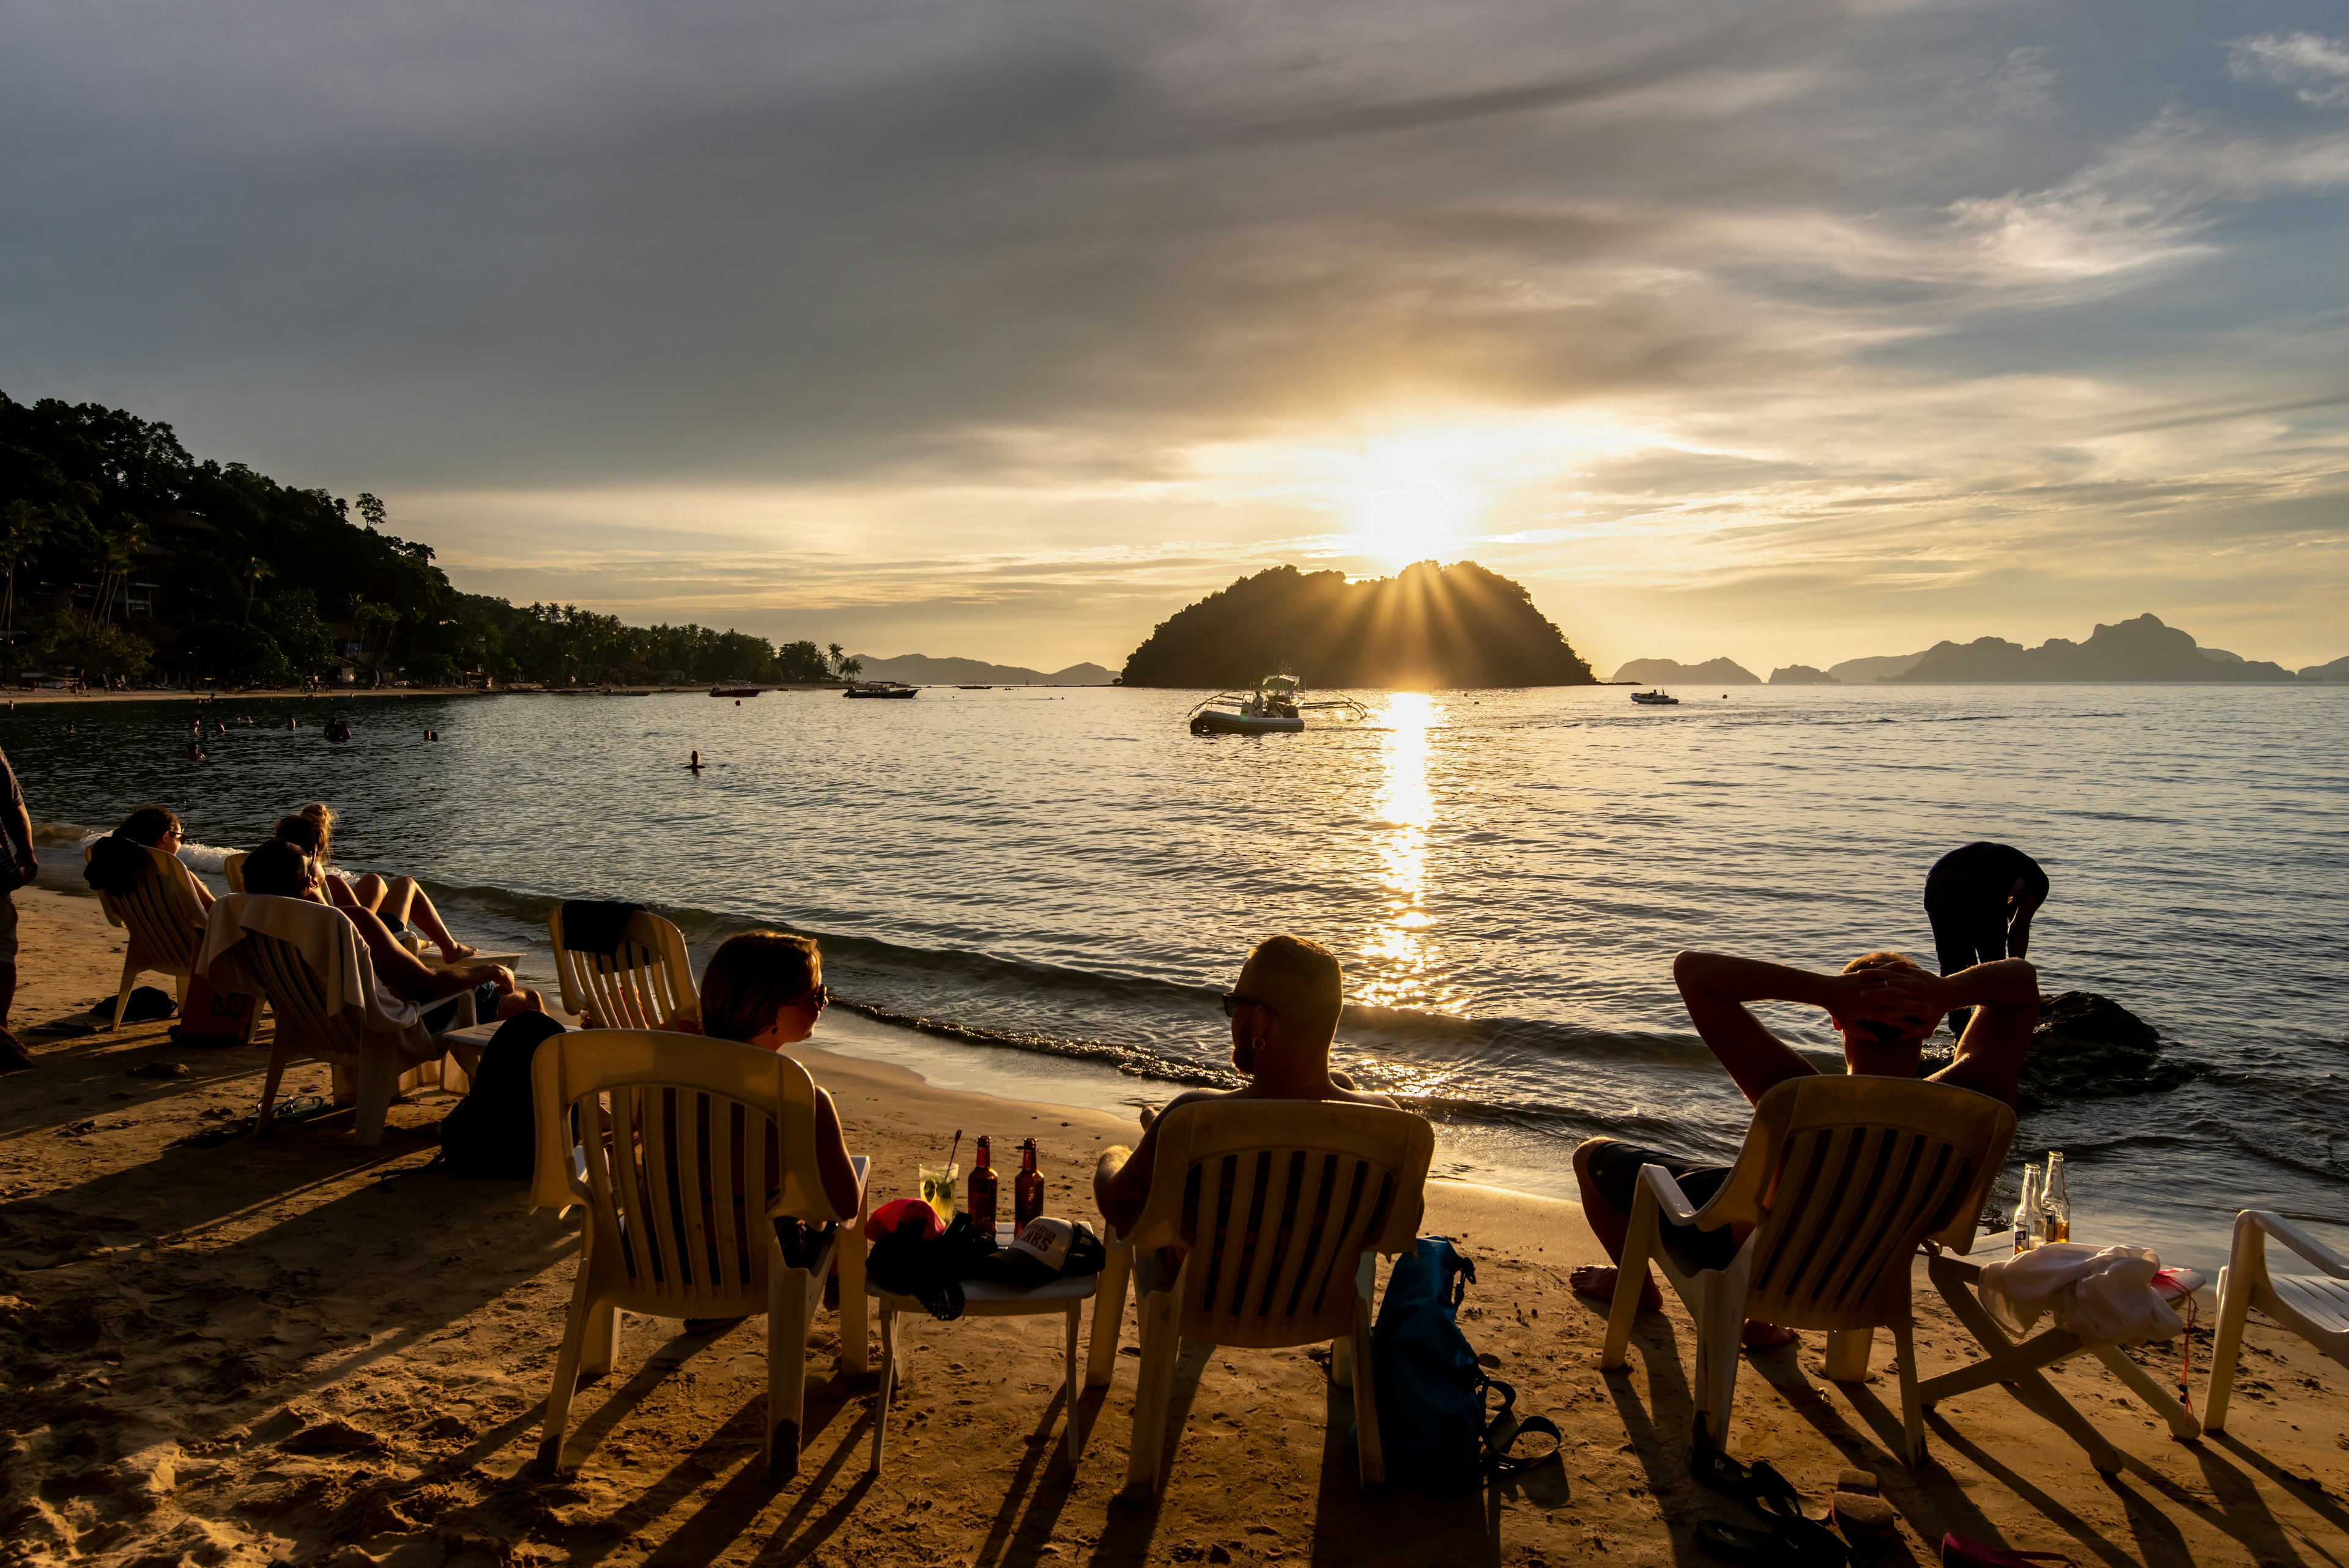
1054 885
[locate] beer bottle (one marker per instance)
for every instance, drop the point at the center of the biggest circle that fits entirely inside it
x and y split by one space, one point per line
1027 1188
2026 1212
979 1191
2055 1200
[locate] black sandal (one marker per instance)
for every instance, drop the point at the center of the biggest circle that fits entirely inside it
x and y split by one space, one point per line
1759 1485
1788 1543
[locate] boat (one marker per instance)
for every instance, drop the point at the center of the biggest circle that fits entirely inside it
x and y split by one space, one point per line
881 688
736 690
1271 708
974 688
1656 699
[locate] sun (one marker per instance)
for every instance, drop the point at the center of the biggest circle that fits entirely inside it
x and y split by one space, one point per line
1408 520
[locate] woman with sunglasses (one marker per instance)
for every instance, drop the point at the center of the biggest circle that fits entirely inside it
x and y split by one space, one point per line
766 989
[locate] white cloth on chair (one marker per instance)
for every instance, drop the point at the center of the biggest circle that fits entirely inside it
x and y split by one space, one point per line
327 941
2106 1295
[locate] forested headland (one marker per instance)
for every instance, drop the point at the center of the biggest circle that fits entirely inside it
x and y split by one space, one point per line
127 557
1428 626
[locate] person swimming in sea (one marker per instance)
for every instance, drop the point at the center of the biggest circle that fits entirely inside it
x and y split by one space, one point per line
695 765
1980 899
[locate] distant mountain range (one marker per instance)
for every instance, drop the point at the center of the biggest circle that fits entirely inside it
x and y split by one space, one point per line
1712 672
921 669
2139 650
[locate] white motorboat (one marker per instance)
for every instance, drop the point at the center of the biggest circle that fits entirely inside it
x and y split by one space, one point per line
1656 699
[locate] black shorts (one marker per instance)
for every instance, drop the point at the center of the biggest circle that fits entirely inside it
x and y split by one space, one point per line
1614 1168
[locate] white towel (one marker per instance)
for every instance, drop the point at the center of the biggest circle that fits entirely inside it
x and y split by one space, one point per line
328 942
2105 1295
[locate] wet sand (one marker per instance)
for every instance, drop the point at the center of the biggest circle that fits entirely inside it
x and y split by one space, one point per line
300 1351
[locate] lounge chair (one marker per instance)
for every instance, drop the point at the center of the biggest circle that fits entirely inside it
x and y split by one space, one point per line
1841 1180
645 982
2314 1307
233 869
1293 1200
307 962
165 921
654 1163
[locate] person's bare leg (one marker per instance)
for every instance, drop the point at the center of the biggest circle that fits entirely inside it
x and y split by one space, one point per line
13 1055
426 918
367 891
1610 1225
515 1002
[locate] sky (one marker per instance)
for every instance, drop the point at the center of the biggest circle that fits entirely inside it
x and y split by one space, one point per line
1782 330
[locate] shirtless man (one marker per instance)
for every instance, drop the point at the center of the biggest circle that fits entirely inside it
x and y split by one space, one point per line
1882 1004
1980 899
1284 1016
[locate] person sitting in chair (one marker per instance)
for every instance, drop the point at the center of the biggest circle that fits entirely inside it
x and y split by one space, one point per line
398 901
283 869
1284 1016
1883 1004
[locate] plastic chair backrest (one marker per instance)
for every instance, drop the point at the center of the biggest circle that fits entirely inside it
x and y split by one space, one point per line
1843 1179
1277 1200
667 1156
645 982
159 911
275 970
232 868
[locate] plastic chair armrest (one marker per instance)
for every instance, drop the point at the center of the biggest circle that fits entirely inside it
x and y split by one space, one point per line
863 1164
2299 1242
1655 1179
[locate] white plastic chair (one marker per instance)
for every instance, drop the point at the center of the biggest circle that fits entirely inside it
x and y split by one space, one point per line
1280 1208
375 1055
644 982
2314 1307
165 921
1841 1180
676 1225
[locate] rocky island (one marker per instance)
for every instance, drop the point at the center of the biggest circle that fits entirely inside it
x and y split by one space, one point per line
2139 650
1429 626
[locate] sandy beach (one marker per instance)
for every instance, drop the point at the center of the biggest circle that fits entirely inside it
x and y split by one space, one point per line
302 1352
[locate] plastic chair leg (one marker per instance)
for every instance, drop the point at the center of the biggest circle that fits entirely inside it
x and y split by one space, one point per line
888 1383
576 1324
1154 1390
854 1304
1639 1247
1849 1350
787 1329
1721 1321
377 1080
1912 1409
603 1339
2234 1307
1071 1443
1109 1314
1369 1442
269 1093
122 997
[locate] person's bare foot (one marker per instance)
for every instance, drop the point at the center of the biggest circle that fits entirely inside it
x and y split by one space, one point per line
1596 1281
457 953
1148 1116
14 1057
1760 1335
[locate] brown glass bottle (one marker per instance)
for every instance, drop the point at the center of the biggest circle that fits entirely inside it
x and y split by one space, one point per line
979 1191
1027 1188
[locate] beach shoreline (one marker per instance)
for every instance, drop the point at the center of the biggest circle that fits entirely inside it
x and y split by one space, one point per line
306 1352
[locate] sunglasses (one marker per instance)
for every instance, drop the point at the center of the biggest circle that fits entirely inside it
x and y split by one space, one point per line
1234 1002
819 996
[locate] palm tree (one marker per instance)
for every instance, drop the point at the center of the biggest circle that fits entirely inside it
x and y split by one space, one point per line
850 669
23 528
836 654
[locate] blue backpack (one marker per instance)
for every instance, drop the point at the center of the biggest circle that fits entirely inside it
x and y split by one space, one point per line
1433 1397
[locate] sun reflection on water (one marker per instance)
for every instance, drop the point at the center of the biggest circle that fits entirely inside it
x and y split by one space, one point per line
1403 971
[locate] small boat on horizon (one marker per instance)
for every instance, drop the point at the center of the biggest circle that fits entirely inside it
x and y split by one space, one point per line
881 688
1656 699
736 690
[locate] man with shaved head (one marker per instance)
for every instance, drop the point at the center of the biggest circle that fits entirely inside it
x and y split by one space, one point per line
1284 1016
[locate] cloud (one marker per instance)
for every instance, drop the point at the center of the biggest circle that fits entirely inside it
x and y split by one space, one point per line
2315 66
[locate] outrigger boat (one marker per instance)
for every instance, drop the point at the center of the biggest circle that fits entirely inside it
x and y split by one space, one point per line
881 688
1656 699
1270 709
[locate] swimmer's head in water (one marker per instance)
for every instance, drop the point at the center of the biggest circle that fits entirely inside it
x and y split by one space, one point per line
1884 1031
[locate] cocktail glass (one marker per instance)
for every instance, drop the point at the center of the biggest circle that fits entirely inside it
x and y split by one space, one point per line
938 1186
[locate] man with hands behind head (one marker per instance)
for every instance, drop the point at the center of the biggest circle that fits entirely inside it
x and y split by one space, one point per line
1284 1016
1882 1004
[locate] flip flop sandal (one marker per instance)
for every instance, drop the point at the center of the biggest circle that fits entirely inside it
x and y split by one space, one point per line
1759 1485
300 1108
1788 1543
1858 1509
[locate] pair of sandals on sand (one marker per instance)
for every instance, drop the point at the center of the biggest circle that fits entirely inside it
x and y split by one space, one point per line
1793 1536
1797 1538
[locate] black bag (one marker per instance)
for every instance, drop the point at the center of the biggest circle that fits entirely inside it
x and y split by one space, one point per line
492 1131
931 1268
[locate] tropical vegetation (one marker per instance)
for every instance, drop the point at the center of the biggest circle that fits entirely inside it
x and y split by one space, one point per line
121 555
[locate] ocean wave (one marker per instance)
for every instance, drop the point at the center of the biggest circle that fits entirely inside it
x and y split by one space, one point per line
74 835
